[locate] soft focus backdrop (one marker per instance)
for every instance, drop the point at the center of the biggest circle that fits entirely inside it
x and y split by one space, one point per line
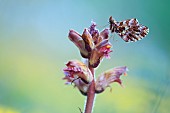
34 47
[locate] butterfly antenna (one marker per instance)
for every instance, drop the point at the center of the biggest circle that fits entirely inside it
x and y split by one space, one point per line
103 26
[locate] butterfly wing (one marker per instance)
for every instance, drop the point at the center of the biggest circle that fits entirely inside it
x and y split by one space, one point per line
131 30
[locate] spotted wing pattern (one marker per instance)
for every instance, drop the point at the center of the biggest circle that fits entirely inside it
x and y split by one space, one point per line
129 30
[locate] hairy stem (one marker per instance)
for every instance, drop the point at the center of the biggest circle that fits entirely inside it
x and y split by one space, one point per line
90 94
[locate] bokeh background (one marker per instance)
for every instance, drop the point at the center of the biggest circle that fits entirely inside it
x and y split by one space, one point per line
34 48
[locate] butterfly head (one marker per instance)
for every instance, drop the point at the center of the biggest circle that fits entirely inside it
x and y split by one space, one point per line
111 20
112 23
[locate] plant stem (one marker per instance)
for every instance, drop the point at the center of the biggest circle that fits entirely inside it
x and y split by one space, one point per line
90 94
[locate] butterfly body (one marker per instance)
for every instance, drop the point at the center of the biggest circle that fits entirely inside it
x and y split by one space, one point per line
128 30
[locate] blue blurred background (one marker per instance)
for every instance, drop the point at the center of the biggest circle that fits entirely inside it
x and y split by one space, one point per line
34 47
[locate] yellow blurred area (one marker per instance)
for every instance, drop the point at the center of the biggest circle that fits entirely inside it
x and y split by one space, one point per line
8 110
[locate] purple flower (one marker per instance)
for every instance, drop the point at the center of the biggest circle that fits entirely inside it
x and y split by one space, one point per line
78 73
105 79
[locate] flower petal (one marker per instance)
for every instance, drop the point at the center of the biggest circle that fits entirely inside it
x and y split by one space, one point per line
79 42
104 34
89 45
78 73
101 50
94 33
95 58
92 29
83 87
105 79
76 69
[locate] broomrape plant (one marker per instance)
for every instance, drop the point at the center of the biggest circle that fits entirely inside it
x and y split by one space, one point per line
94 46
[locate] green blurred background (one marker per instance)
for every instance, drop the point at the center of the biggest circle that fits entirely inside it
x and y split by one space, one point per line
34 47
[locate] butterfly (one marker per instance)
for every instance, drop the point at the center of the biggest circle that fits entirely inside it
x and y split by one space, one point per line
129 30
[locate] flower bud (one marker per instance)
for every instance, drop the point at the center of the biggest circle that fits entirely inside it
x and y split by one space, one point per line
79 42
89 45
